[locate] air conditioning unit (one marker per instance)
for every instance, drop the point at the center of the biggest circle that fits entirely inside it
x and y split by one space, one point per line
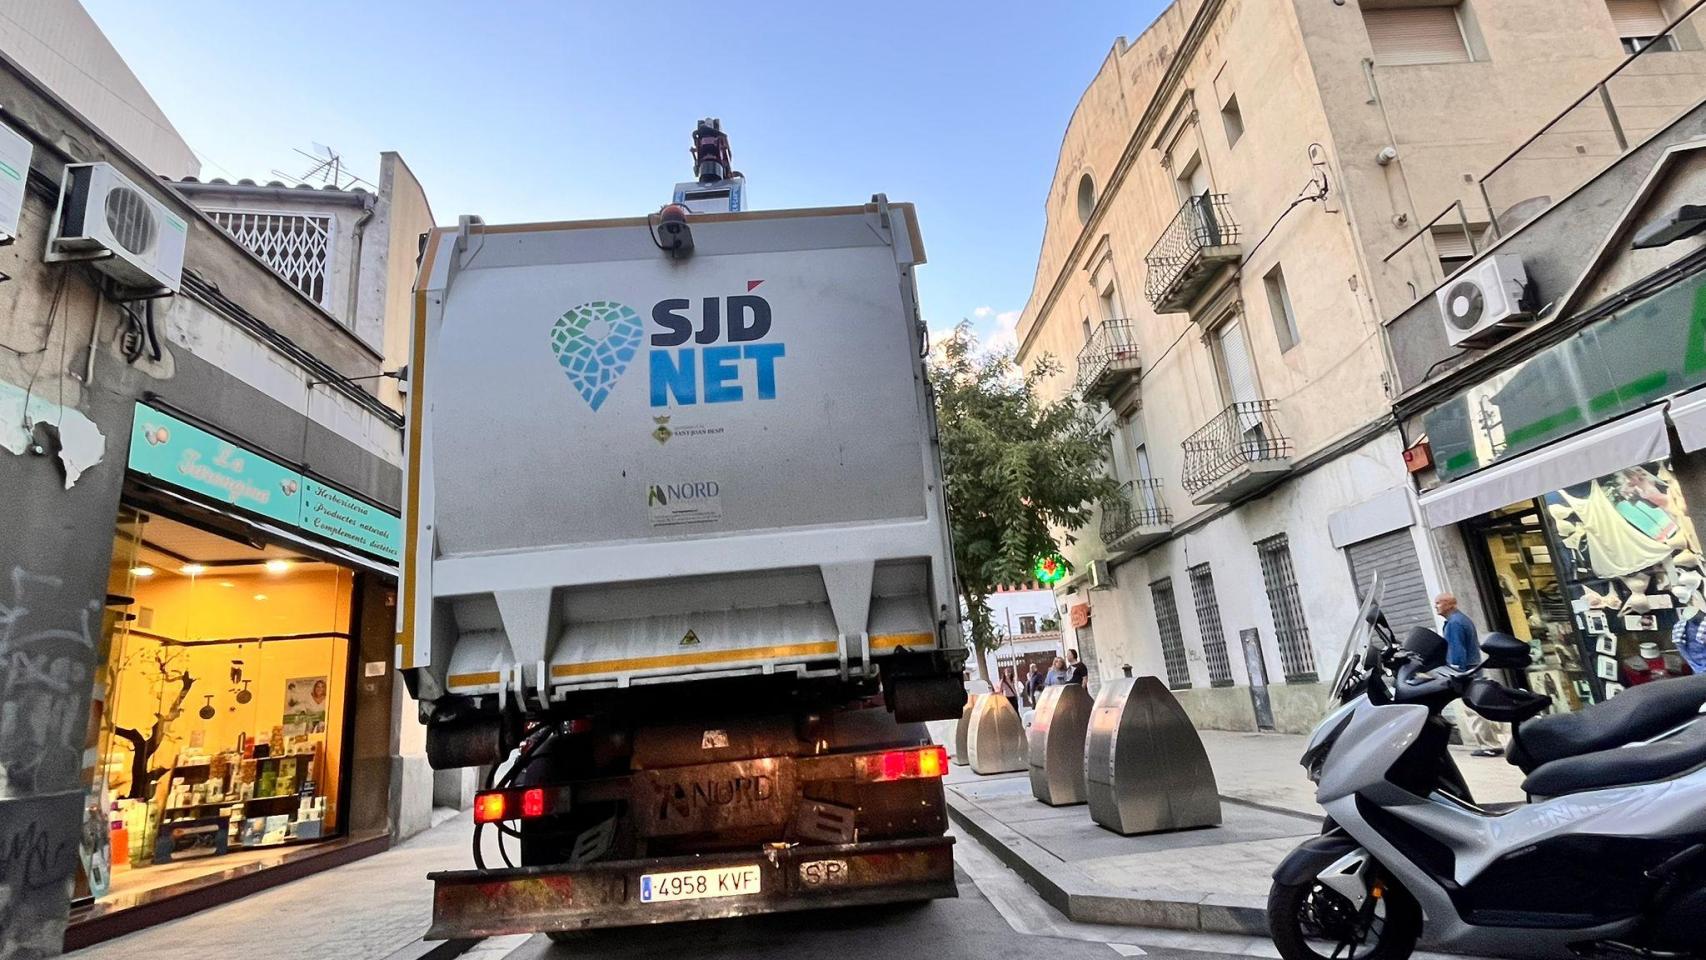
1487 302
1101 578
119 228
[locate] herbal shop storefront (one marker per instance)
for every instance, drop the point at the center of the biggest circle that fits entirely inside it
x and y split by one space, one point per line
229 684
1571 477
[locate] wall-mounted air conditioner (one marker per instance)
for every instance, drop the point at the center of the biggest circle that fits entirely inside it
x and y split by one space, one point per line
1101 578
120 229
1486 302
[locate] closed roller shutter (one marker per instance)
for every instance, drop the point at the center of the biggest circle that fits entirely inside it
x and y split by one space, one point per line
1405 599
1637 18
1416 35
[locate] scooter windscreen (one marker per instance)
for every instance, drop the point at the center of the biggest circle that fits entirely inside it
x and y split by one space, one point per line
1354 659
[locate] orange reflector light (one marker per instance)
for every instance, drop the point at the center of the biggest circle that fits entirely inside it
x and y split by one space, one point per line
904 764
933 762
533 802
489 807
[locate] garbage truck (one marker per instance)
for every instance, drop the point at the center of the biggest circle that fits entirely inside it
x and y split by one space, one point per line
677 571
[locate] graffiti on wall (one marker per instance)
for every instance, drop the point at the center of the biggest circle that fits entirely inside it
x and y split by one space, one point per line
47 653
45 663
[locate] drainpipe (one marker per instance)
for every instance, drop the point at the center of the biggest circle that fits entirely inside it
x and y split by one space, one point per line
355 279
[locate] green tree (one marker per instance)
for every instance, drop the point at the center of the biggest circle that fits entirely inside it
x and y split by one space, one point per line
1019 470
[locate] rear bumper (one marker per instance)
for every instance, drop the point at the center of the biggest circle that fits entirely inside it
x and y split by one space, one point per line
482 903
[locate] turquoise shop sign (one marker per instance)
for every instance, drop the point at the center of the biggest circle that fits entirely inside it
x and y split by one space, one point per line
172 451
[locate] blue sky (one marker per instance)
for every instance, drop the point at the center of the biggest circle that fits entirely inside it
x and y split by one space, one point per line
543 111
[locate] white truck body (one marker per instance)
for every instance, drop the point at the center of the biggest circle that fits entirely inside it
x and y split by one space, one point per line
592 504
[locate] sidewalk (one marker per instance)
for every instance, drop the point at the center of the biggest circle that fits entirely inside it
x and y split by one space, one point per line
366 910
1213 879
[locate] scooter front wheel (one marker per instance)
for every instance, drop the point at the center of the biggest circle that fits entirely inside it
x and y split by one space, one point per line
1309 921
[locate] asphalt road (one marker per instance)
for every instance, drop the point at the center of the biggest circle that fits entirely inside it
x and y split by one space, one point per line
967 928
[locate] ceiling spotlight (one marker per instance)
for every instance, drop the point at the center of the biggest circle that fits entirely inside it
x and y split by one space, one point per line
260 596
192 569
227 584
142 570
278 566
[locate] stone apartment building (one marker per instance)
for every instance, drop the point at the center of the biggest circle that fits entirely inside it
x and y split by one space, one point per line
199 487
1225 233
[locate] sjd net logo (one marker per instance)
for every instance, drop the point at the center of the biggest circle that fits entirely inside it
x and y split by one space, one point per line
594 343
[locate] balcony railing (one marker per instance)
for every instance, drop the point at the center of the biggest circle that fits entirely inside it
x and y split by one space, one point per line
1201 237
1135 513
1240 446
1107 360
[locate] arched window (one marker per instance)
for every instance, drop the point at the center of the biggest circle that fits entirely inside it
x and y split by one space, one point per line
1086 197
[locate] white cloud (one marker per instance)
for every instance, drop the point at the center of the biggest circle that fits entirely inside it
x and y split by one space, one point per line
1005 333
983 313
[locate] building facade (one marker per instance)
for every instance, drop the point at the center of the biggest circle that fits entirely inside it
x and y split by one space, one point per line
1556 442
199 543
1217 260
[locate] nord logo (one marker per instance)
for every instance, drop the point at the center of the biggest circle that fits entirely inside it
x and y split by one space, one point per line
716 369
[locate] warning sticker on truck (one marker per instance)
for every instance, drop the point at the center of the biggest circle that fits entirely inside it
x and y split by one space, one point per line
689 502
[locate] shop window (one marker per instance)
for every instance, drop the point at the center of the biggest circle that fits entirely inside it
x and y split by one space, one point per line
1631 561
1208 623
1535 604
1172 638
1297 656
219 703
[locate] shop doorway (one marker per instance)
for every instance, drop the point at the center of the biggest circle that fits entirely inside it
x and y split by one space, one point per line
1528 599
221 721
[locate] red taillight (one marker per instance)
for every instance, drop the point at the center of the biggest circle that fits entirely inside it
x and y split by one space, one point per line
495 805
489 807
905 764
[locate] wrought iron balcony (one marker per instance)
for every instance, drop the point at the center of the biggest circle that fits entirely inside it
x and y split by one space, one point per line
1135 517
1108 360
1241 450
1201 238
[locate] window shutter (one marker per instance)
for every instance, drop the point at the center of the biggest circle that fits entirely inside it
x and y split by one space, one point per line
1637 18
1452 243
1416 35
1240 372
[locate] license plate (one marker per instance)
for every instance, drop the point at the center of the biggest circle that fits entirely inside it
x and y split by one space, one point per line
699 884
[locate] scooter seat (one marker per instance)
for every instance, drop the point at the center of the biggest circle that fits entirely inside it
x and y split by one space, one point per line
1638 713
1621 766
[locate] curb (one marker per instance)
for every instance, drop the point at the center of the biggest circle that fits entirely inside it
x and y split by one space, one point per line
1074 894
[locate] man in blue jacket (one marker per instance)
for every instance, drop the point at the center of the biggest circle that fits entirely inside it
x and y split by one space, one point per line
1462 646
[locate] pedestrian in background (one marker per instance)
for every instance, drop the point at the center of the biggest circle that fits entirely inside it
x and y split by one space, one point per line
1034 685
1080 672
1058 674
1009 688
1463 652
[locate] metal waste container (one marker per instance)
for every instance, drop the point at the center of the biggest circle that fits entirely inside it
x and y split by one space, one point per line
1056 741
1145 769
995 739
962 755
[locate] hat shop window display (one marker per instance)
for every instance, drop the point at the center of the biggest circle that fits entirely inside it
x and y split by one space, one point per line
1637 581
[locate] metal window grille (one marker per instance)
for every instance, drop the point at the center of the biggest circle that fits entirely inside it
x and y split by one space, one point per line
1208 621
297 246
1297 657
1172 640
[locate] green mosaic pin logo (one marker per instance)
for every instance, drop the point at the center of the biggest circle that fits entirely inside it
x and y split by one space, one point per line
594 343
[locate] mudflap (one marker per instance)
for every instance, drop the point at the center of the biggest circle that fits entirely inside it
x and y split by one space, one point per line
483 903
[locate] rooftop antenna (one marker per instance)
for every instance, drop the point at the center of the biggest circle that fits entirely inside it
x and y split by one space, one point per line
328 170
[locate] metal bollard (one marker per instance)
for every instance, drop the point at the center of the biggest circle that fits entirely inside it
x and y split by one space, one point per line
995 740
1145 769
1057 744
